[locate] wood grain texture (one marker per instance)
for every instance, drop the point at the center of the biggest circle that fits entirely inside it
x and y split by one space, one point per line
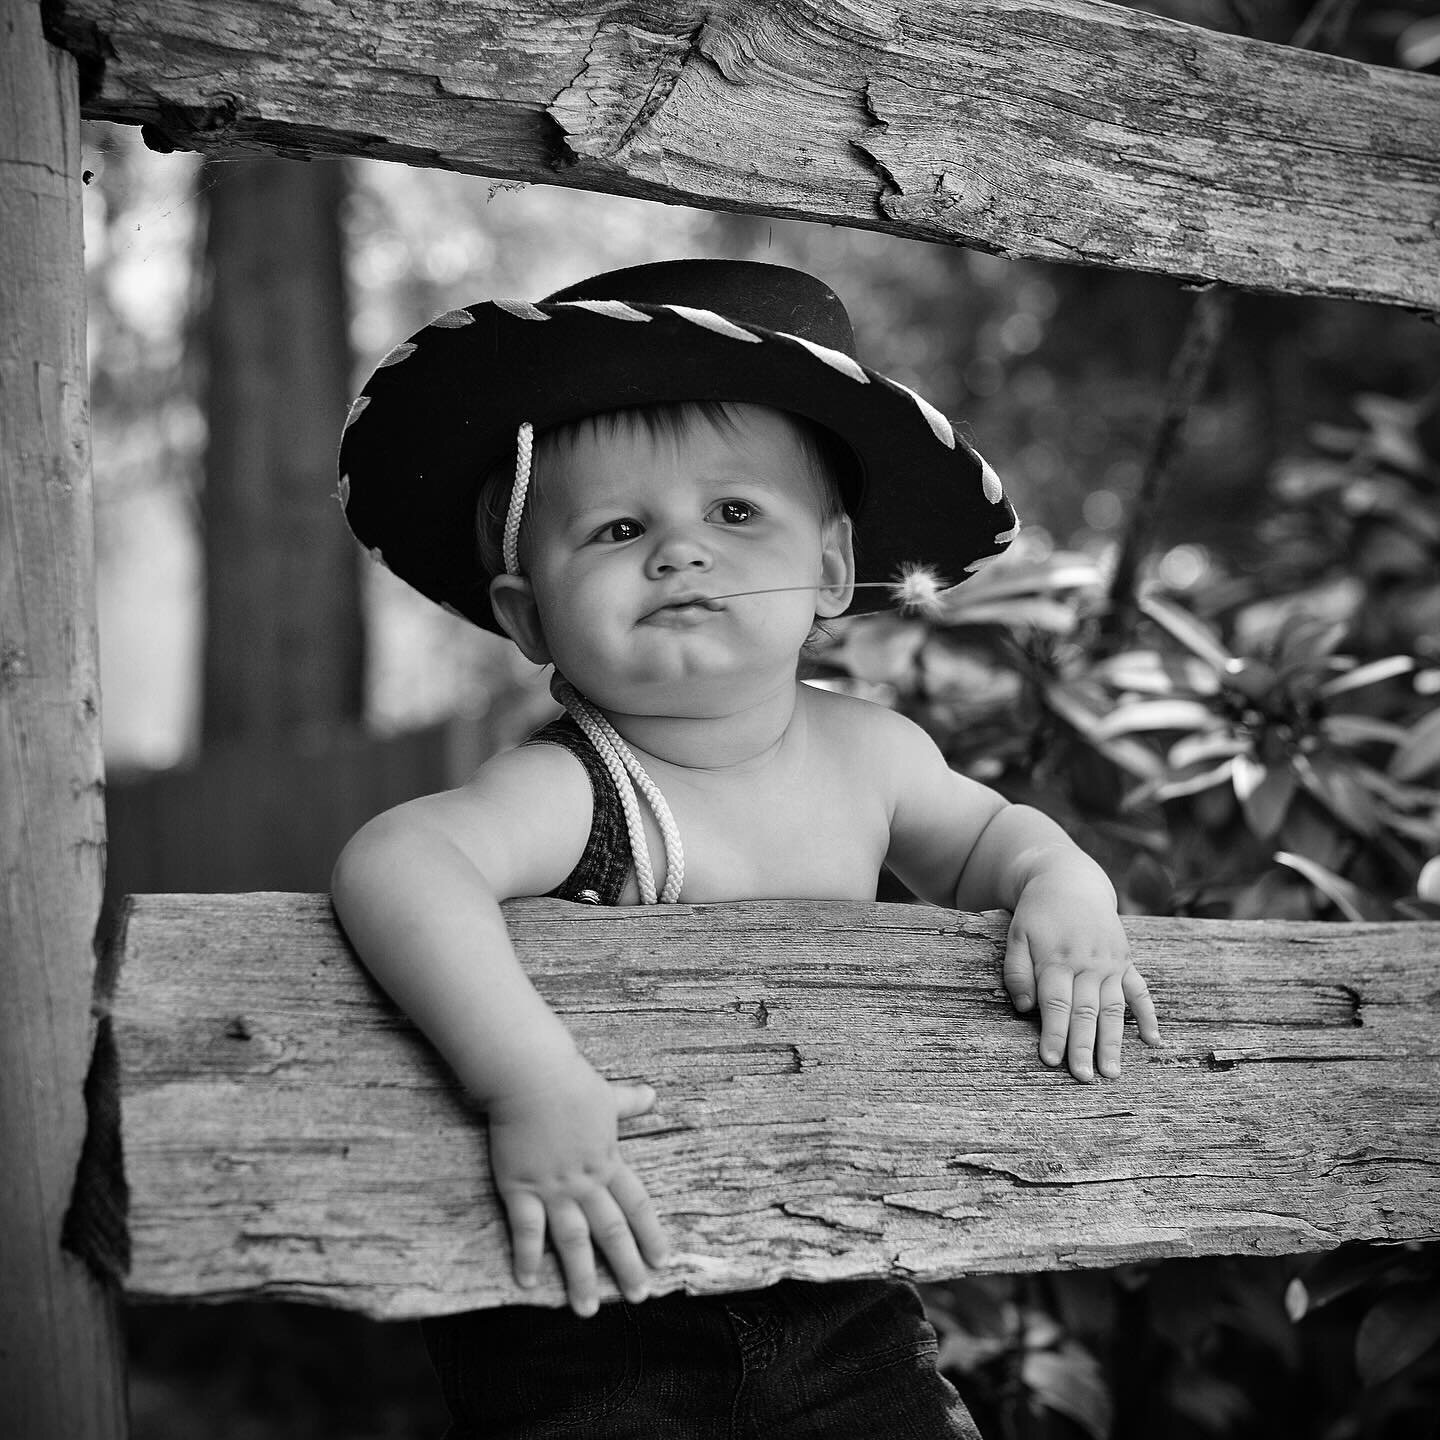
1061 129
844 1090
60 1348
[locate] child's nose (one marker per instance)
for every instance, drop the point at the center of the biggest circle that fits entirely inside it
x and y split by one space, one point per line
678 549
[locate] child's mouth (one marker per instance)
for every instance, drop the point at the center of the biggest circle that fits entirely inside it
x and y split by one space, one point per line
683 607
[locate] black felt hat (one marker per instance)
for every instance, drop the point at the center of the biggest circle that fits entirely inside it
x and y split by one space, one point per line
443 409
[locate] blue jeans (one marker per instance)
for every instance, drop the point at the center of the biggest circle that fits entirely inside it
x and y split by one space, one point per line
796 1361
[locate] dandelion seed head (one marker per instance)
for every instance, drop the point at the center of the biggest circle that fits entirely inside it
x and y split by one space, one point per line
919 591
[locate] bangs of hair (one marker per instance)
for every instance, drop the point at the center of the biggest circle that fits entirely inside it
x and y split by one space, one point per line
831 462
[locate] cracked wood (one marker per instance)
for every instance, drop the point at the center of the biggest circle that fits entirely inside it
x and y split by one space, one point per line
844 1090
1060 129
61 1353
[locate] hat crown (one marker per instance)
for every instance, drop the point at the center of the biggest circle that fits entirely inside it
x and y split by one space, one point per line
771 297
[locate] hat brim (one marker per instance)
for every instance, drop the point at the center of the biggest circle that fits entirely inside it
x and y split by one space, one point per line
442 409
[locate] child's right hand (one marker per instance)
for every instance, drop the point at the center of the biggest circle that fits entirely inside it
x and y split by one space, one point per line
555 1154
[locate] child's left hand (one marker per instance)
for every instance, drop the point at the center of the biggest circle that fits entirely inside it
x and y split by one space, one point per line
1067 947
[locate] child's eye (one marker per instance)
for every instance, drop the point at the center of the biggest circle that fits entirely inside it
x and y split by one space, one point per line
618 531
734 512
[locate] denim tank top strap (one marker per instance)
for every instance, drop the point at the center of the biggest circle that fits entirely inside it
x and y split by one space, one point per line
599 875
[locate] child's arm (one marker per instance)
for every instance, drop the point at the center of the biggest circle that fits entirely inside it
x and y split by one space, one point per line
956 842
1066 944
418 892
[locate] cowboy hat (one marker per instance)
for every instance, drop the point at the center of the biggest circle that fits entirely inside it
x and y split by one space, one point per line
443 408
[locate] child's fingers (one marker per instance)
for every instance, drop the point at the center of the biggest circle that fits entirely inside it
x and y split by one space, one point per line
611 1234
1111 1028
1142 1007
526 1215
631 1100
570 1235
1084 1023
1055 986
632 1197
1019 971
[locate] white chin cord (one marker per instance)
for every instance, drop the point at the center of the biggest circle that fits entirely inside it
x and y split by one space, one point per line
619 760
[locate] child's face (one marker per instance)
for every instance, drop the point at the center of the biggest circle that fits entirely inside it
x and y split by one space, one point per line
632 534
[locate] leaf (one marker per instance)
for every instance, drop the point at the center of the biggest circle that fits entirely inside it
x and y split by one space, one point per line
1175 789
1339 792
1425 833
1141 715
1361 730
1261 625
1247 776
1070 1382
1034 612
1197 749
1190 632
1310 830
976 1322
1401 797
1305 642
1254 679
1337 1273
1350 899
1126 754
1419 752
1064 570
1264 793
978 1304
1396 1331
964 673
1418 45
1086 1303
1371 674
1217 1406
1427 887
1392 425
1144 671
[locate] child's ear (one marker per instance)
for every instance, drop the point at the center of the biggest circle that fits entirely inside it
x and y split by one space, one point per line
837 569
513 599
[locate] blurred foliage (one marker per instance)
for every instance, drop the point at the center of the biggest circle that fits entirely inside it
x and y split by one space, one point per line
1337 1346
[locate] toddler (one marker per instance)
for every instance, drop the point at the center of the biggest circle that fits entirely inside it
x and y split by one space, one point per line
658 482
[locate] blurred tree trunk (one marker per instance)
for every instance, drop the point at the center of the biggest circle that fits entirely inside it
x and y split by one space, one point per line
284 643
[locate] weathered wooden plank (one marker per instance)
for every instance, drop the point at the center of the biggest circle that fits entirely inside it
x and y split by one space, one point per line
844 1090
60 1345
1063 129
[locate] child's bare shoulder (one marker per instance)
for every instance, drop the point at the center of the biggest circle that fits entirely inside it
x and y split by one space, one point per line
533 787
868 729
522 818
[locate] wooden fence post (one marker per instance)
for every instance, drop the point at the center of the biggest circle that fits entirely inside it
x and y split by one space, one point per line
60 1352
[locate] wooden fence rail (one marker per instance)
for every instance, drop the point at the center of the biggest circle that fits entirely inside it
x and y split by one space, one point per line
1068 130
844 1090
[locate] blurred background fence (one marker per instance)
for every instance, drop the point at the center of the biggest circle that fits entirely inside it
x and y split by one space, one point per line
264 816
272 815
